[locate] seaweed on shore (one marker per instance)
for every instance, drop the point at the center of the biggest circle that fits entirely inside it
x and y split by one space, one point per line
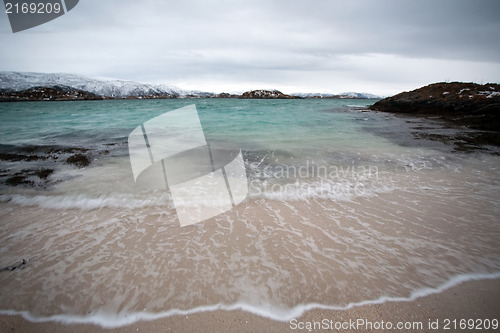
12 157
29 177
20 265
33 165
79 160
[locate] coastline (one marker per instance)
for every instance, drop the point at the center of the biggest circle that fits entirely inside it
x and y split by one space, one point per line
469 300
407 247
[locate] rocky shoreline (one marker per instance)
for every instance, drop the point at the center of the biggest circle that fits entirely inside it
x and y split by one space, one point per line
35 166
469 105
67 93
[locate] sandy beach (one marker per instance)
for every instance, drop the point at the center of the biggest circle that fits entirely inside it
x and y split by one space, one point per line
253 166
471 300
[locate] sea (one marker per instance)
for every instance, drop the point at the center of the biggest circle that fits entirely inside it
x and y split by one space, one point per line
345 207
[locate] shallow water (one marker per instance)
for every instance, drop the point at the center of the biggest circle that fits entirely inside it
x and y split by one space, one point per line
344 207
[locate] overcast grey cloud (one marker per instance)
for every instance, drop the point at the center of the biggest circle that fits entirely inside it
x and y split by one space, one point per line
380 47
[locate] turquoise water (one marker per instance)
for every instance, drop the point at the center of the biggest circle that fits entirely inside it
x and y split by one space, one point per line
247 122
270 133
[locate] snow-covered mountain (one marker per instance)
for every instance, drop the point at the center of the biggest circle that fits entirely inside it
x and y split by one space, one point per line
17 81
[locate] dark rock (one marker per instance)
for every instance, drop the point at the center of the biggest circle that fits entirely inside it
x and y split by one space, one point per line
454 98
17 180
20 265
44 173
21 157
466 104
62 150
29 177
226 95
79 160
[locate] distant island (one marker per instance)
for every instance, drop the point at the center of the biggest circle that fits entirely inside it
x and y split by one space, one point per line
266 94
21 86
276 94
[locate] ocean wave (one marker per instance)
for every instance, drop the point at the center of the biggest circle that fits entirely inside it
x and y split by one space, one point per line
289 192
107 320
84 202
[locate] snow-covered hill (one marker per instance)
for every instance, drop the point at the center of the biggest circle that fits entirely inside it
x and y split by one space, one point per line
266 94
17 81
359 95
341 95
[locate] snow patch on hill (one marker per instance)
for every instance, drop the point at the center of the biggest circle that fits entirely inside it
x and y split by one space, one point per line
17 81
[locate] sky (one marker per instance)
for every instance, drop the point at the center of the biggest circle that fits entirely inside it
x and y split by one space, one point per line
381 47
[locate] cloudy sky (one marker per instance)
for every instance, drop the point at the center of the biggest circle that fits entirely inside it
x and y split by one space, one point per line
380 47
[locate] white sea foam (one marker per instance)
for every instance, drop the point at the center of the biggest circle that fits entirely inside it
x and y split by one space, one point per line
106 320
84 202
324 189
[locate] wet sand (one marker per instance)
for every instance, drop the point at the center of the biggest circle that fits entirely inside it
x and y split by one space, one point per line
270 254
470 300
121 256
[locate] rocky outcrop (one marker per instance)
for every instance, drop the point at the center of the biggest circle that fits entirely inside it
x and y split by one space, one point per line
473 105
79 160
266 94
55 93
226 95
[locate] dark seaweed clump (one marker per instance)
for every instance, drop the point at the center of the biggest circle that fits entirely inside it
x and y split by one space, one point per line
79 160
30 177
